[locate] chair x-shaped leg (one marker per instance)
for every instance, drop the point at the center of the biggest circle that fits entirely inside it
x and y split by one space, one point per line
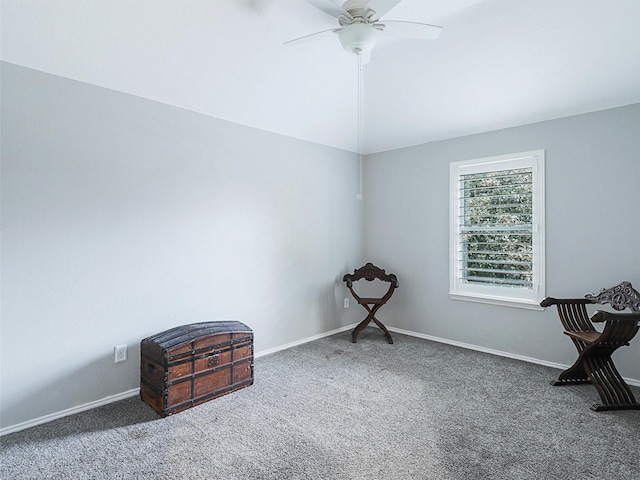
376 304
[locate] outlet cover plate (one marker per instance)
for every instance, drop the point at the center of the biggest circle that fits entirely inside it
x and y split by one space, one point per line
120 353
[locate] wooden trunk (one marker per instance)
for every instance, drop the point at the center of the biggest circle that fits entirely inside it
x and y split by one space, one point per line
191 364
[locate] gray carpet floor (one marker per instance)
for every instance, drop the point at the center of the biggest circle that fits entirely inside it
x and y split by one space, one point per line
331 409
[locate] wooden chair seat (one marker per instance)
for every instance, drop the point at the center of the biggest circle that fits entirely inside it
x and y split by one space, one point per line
587 337
370 272
371 301
594 364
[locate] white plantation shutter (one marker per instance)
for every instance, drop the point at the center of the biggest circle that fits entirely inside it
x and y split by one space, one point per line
495 236
497 209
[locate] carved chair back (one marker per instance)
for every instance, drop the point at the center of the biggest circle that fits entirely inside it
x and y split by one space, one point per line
370 272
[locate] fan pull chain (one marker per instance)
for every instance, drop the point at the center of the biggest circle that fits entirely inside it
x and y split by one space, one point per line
360 162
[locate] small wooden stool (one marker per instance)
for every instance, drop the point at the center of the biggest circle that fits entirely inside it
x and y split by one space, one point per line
370 272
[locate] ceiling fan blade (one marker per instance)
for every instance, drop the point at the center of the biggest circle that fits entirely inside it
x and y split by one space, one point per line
327 6
411 30
310 37
381 7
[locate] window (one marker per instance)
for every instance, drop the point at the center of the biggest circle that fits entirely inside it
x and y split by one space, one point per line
497 230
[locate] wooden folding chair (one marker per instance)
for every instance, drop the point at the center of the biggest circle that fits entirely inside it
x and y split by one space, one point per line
594 364
370 272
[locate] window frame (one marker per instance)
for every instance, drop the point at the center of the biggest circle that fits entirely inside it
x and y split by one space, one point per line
491 293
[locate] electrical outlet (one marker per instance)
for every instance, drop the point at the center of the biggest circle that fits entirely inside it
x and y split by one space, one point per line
120 353
346 303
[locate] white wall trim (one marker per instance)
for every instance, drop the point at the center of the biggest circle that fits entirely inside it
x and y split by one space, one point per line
69 411
269 351
630 381
135 391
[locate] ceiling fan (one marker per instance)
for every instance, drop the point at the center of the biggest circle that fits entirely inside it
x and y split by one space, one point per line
360 24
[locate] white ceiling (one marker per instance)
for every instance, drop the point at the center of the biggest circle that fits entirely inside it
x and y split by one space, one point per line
498 63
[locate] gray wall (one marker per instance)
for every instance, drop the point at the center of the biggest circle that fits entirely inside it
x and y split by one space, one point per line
592 230
123 217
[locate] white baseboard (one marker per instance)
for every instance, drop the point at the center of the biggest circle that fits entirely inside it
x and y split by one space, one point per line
269 351
135 391
630 381
69 411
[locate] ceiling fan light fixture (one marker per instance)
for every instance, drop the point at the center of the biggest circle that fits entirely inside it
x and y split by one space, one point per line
358 38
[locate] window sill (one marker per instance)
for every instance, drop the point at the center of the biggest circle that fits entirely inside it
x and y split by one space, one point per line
502 301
